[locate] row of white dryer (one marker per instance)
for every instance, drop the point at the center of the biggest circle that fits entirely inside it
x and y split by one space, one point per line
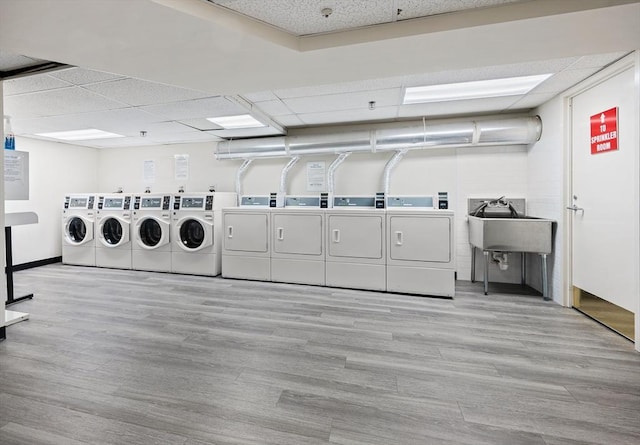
154 232
407 247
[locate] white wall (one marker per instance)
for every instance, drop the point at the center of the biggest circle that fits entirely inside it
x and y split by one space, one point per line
463 173
54 169
545 192
3 277
124 167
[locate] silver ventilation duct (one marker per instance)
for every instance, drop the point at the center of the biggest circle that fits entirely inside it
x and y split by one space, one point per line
285 173
239 174
271 147
331 180
333 143
391 164
412 135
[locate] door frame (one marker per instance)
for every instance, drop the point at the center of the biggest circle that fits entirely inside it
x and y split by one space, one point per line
630 61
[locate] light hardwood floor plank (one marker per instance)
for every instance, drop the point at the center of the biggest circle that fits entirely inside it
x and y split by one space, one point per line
124 357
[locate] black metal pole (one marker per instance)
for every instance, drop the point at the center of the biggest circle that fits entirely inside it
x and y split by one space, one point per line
9 270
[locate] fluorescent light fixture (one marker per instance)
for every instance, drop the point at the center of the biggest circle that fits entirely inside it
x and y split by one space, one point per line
511 86
239 121
80 135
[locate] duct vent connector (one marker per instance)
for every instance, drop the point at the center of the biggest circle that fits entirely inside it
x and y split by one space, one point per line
409 135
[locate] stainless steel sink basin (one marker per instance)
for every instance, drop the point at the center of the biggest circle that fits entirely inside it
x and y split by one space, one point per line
523 234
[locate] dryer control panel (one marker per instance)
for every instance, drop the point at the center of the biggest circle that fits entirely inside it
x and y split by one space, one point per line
152 202
79 202
194 203
114 202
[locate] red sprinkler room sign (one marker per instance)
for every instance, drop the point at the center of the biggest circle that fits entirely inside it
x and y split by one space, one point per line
604 131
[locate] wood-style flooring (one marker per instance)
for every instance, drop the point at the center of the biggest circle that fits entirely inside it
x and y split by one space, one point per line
125 357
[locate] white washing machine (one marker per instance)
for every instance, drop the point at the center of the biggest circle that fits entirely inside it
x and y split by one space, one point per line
151 237
298 241
195 245
420 247
78 225
356 246
246 240
113 229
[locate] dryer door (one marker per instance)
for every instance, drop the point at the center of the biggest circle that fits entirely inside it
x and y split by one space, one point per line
113 231
152 232
78 230
193 234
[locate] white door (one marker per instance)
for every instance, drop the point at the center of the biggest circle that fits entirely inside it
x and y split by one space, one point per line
355 236
416 238
297 234
246 232
604 219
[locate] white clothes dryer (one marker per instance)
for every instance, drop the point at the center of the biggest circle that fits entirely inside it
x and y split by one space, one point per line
78 221
151 239
195 246
356 247
113 222
420 247
298 241
246 241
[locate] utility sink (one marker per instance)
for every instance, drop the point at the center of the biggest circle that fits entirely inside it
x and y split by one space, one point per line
498 226
522 234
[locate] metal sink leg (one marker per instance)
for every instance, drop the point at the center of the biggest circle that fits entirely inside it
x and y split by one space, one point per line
486 272
545 284
473 264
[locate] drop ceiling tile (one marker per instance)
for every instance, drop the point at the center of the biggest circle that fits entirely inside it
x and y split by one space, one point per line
83 76
273 108
246 132
192 136
56 102
343 116
194 109
162 129
290 120
31 84
139 92
532 101
201 124
457 107
126 121
351 101
118 142
260 96
564 80
490 72
597 60
338 88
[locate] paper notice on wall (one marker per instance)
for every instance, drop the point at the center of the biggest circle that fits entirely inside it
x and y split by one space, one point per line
16 175
149 171
181 167
316 176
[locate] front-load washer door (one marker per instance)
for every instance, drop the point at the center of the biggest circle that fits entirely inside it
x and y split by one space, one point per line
152 232
113 231
78 230
193 234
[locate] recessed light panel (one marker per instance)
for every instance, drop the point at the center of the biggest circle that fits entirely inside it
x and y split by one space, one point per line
80 135
511 86
239 121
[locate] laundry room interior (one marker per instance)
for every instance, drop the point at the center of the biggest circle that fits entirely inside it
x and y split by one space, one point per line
415 255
